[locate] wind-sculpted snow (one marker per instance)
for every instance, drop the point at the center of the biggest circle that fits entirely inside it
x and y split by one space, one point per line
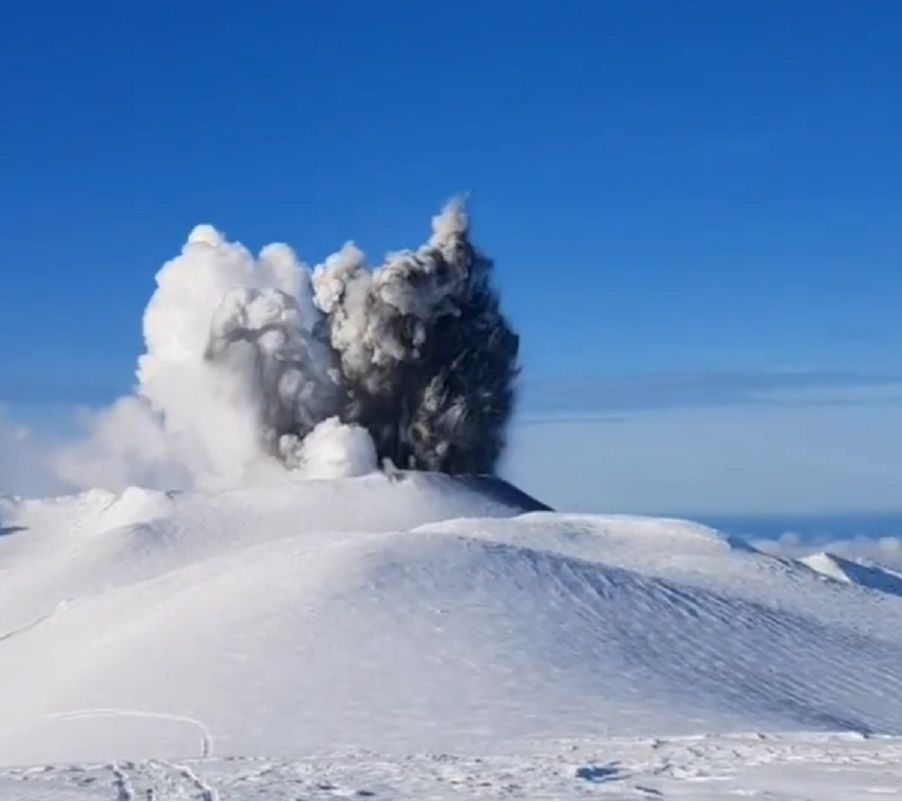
411 616
743 766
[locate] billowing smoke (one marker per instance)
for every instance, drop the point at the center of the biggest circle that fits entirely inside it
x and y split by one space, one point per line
427 359
258 364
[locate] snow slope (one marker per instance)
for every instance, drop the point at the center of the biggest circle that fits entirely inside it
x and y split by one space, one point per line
859 572
412 616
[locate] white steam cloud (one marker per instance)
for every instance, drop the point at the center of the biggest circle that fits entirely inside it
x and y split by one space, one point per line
258 365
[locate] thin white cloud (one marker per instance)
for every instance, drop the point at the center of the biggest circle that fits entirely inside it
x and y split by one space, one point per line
598 396
739 460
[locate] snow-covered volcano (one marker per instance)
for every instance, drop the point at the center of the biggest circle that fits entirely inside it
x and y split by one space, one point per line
408 615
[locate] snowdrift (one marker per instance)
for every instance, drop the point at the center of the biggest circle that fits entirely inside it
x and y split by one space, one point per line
419 614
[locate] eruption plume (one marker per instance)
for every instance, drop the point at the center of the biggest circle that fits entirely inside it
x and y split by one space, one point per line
254 365
427 359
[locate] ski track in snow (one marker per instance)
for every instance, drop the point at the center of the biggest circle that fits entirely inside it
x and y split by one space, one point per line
203 790
206 743
122 783
35 622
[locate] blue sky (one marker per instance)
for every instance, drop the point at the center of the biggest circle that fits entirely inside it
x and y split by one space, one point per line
693 206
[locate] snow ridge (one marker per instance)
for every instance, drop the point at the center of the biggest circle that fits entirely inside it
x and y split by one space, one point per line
410 614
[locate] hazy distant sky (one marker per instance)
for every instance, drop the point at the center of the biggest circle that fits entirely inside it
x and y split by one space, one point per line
694 208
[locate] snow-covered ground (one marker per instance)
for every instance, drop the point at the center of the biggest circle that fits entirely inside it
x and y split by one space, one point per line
424 636
742 766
